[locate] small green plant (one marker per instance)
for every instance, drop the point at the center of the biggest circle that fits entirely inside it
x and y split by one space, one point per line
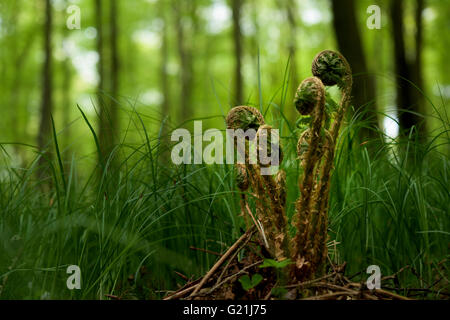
279 292
269 191
249 283
271 263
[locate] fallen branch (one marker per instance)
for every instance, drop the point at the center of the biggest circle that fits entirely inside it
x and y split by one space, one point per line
306 283
181 293
328 295
382 292
205 250
188 287
221 260
234 276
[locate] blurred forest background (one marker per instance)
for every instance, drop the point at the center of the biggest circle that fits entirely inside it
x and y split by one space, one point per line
135 70
176 60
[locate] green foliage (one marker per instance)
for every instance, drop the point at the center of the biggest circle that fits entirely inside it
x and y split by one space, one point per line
279 292
248 121
389 199
303 122
270 263
330 105
384 210
249 283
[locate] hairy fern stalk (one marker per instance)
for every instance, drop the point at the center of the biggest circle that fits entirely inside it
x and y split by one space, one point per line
316 147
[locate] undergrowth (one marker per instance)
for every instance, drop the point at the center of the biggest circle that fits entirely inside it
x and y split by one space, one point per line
129 228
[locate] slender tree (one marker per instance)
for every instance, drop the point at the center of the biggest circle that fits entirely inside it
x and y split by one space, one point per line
418 74
66 71
164 78
20 55
185 56
47 81
100 64
255 37
290 10
351 46
114 71
101 74
108 70
236 8
407 70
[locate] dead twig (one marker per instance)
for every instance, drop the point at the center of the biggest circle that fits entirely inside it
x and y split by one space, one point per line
183 290
205 250
232 258
181 293
258 226
382 292
306 283
393 276
329 295
181 275
244 270
221 260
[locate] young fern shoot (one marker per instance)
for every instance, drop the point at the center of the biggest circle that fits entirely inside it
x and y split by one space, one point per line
309 249
315 149
270 198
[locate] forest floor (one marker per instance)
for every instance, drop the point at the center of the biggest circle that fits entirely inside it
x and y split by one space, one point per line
224 281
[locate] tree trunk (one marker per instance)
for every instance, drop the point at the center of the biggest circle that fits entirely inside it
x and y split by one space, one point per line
236 6
46 99
99 26
350 44
185 55
108 103
66 87
407 104
165 105
101 77
16 90
114 74
290 8
254 39
100 64
418 77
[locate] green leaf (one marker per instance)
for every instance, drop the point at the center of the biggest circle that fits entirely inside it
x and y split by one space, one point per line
279 292
330 105
248 283
303 122
275 264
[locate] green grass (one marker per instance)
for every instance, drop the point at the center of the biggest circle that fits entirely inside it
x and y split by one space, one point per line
128 223
389 207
